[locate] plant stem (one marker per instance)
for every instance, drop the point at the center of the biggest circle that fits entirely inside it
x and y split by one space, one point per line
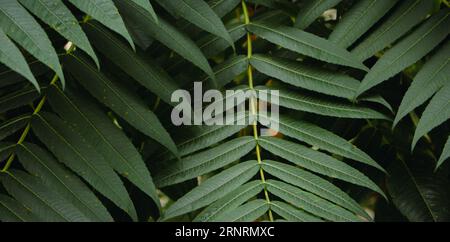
28 127
38 108
253 106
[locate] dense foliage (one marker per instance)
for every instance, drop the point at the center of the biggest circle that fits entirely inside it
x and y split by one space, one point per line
86 133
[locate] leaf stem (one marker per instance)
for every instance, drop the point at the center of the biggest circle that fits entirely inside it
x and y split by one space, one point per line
38 108
253 106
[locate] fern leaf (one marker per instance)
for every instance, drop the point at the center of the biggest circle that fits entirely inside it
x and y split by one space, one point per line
358 20
291 213
310 78
213 188
409 50
59 17
90 121
196 138
39 163
317 162
168 35
106 13
46 204
404 18
433 75
11 56
229 202
200 14
314 184
121 100
312 104
309 202
321 138
18 24
305 43
248 212
204 162
144 71
74 152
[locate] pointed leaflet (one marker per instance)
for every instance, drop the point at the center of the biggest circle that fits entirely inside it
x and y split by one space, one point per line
305 43
98 129
201 163
309 202
433 75
144 71
418 193
18 24
437 112
70 148
307 77
13 125
19 98
45 203
311 11
317 162
167 35
106 13
314 184
212 45
231 201
145 4
57 178
120 99
198 13
310 103
291 213
213 188
405 16
408 50
11 56
59 17
319 137
10 77
13 211
445 153
358 20
377 99
195 138
248 212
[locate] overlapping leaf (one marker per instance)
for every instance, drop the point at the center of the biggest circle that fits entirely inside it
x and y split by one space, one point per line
409 50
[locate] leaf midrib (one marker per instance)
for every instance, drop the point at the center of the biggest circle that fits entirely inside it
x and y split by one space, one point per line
315 162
